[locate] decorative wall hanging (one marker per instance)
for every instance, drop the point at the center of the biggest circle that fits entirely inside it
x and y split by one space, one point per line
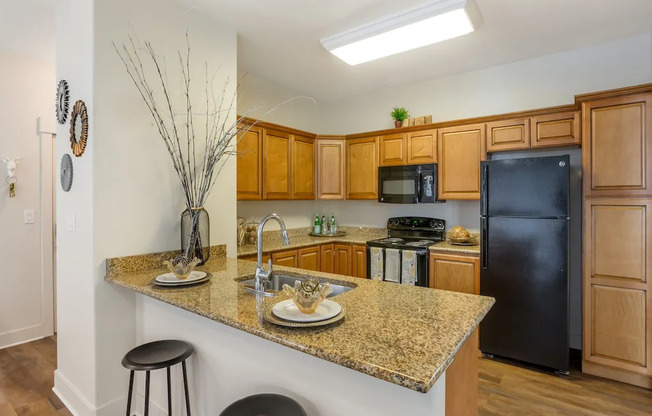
78 128
11 174
66 172
63 101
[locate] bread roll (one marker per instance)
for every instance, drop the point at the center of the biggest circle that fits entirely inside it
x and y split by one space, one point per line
459 233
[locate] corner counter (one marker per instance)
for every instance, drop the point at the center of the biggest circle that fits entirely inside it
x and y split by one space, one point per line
407 336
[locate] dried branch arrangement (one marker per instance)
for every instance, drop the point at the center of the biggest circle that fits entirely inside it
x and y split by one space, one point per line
198 161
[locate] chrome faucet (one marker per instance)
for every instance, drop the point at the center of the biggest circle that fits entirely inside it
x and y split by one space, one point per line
263 276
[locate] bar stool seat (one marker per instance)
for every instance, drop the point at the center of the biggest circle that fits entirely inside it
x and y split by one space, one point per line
264 405
154 356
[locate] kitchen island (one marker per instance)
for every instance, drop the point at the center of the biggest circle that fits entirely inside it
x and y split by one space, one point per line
398 340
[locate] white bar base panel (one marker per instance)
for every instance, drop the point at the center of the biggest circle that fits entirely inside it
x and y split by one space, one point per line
229 364
79 405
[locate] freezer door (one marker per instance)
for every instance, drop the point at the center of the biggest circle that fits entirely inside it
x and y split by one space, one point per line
525 268
530 187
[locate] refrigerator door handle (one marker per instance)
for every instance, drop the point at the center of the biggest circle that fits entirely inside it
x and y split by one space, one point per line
484 190
485 240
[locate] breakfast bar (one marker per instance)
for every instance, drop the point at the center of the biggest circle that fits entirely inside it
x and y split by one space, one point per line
388 356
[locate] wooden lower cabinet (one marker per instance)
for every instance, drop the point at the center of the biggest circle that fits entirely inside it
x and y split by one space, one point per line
342 259
285 258
617 289
327 252
359 261
254 258
458 273
309 258
462 380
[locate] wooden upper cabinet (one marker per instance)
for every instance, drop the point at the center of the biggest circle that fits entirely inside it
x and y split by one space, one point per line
508 135
617 146
393 149
303 167
422 147
249 164
461 148
309 258
331 168
362 168
327 261
277 166
359 261
457 273
554 130
342 259
285 258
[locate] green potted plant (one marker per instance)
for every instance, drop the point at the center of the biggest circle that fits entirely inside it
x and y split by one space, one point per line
399 114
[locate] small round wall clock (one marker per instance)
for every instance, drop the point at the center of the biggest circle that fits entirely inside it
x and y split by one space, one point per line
66 172
63 98
78 128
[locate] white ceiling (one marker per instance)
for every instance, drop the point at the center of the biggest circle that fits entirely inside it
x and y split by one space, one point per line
280 40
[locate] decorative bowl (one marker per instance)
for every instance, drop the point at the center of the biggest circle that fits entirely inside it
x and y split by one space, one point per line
181 266
308 294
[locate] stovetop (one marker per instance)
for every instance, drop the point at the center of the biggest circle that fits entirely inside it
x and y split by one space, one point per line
412 233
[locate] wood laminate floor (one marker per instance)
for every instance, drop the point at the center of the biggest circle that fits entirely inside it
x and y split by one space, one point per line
27 376
26 380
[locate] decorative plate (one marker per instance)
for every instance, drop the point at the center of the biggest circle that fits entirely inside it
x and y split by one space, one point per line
269 316
66 172
63 101
170 280
339 234
288 311
78 128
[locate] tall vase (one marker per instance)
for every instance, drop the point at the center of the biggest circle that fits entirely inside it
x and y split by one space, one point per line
195 234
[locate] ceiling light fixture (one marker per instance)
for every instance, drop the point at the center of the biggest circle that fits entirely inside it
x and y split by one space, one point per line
444 19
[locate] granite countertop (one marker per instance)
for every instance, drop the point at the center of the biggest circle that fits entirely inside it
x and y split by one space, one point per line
405 335
299 237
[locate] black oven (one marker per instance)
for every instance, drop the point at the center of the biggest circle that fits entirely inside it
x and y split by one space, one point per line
411 184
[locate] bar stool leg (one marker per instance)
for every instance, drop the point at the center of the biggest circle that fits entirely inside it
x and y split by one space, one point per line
169 394
131 387
185 386
147 393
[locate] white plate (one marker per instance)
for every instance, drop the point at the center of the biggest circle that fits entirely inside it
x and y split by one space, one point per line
290 312
171 279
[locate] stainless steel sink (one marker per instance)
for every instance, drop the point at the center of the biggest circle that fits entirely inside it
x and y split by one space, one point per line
278 279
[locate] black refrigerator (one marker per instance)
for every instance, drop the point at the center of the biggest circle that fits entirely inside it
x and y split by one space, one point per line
524 234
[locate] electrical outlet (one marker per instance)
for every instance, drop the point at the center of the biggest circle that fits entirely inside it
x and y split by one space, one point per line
28 216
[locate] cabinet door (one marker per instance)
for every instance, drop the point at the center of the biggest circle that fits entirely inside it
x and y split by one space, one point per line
508 135
303 168
308 258
250 164
359 261
277 169
461 149
553 130
331 171
457 273
422 147
342 259
285 258
327 262
617 146
362 168
393 150
617 269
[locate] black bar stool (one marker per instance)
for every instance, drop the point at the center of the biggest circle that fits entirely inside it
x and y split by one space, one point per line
153 356
264 405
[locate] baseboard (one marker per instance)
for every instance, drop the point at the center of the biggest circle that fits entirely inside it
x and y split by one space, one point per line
78 405
23 335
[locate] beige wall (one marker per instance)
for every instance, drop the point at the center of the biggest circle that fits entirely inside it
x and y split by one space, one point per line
26 296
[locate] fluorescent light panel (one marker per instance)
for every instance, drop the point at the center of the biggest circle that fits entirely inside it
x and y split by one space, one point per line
423 26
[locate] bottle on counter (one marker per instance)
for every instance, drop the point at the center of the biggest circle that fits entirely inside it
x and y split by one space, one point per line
324 225
317 225
333 225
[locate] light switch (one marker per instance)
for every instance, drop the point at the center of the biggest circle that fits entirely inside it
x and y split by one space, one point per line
28 216
71 222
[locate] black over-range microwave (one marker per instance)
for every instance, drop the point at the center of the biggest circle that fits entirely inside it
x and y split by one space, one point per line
411 184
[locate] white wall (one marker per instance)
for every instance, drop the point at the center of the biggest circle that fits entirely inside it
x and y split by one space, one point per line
125 196
26 296
534 83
